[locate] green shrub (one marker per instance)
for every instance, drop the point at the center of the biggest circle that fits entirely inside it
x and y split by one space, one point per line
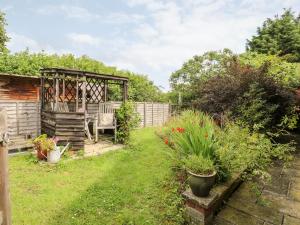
231 149
127 120
199 165
239 150
249 94
255 111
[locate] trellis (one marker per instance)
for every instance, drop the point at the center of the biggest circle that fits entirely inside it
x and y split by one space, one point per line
78 87
65 94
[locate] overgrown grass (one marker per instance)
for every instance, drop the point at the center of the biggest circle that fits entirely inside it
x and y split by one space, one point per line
132 186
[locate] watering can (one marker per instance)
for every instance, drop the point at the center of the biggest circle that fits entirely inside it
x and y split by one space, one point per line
54 155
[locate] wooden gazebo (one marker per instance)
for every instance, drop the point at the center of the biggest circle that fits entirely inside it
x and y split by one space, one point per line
69 96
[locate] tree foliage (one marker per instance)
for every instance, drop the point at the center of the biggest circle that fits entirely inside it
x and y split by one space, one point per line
199 68
249 94
140 87
3 36
286 73
278 36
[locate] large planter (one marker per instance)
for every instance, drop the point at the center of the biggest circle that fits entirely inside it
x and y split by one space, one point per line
201 184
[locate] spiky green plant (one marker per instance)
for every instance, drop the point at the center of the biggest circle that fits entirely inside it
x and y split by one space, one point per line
194 134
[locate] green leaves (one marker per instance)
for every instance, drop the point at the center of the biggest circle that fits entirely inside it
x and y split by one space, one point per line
127 120
3 36
140 87
278 36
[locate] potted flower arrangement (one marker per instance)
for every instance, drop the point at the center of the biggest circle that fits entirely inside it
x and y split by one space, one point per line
47 148
201 173
42 145
193 136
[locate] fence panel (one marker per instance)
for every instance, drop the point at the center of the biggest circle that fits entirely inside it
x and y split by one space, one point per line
23 118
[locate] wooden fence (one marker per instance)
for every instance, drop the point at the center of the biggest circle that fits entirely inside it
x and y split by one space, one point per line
23 122
24 118
151 113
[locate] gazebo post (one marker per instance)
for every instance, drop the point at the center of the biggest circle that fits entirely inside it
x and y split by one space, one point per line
77 94
56 92
84 94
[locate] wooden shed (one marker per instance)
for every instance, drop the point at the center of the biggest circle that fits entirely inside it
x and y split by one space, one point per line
20 96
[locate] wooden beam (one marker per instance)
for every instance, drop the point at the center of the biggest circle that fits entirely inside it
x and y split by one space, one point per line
84 95
77 95
64 89
5 211
56 94
42 92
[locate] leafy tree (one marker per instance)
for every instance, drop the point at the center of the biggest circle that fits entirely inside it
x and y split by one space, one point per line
286 73
199 68
249 94
3 36
278 36
140 87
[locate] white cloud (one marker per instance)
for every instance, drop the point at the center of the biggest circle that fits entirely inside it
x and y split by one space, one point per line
180 29
73 12
155 37
20 42
84 39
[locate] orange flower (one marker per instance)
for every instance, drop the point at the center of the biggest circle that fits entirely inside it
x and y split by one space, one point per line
166 141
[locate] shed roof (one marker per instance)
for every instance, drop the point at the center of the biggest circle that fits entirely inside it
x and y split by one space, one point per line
19 75
83 73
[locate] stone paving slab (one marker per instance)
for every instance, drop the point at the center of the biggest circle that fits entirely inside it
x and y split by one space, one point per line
281 200
230 215
288 220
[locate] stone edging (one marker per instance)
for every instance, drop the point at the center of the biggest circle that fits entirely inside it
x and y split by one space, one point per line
201 211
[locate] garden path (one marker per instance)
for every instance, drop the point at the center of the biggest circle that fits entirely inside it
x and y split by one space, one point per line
277 204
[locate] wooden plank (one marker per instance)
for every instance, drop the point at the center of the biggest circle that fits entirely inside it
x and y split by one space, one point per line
4 187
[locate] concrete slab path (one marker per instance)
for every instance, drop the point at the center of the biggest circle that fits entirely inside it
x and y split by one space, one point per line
278 203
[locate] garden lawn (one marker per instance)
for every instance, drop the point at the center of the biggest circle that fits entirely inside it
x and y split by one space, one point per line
131 186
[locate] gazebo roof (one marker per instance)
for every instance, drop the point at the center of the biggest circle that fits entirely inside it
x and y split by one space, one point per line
74 72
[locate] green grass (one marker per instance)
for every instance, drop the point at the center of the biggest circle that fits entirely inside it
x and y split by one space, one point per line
132 186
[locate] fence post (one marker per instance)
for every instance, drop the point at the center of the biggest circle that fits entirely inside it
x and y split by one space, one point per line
145 112
163 105
152 115
5 214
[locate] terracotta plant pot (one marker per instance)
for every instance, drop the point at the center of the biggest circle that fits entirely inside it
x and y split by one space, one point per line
41 155
201 184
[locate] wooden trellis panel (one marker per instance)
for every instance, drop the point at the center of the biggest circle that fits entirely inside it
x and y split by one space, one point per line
95 90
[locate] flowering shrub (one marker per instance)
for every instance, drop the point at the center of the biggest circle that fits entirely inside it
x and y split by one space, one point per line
195 137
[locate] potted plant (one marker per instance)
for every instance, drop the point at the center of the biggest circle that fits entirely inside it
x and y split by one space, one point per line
201 173
42 145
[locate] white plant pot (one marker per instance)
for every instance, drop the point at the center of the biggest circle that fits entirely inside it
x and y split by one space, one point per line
53 156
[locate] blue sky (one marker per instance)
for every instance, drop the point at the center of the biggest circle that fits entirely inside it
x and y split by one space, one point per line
152 37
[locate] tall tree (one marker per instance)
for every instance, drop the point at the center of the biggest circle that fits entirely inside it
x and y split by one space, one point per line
3 36
278 36
184 81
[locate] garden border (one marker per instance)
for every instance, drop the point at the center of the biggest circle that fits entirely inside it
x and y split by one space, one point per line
200 210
